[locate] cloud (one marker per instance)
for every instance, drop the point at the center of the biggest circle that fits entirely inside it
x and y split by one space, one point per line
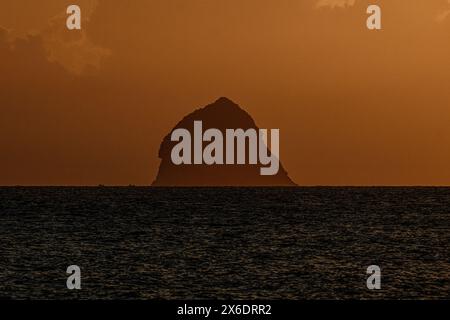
72 49
441 17
335 3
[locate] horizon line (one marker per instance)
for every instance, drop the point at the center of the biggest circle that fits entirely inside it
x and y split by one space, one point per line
230 186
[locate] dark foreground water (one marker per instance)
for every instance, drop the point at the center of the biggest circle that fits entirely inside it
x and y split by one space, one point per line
294 243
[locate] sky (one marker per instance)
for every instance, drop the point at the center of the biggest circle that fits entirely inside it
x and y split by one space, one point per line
354 106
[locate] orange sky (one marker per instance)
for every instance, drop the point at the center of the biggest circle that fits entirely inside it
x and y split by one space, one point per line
355 107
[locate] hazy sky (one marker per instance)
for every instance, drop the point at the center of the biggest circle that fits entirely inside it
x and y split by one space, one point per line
354 107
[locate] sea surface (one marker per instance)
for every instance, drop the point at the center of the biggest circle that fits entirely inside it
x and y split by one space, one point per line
223 243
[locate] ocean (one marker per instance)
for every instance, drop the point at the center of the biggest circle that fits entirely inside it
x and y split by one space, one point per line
224 243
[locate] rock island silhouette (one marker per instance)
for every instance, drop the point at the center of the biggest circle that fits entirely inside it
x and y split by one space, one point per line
222 114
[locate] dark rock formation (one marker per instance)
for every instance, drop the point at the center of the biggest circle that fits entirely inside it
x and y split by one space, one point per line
222 114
